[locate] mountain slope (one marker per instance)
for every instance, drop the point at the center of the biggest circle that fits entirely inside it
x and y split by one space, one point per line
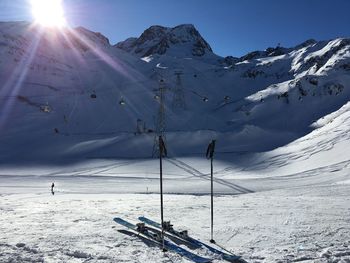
73 94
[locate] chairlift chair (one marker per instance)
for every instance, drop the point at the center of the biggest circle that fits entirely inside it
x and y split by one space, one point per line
122 102
93 95
45 108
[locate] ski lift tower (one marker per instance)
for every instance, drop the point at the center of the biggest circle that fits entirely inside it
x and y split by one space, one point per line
160 122
179 96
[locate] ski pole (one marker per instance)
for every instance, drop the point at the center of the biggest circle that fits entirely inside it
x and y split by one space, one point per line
210 155
161 188
212 199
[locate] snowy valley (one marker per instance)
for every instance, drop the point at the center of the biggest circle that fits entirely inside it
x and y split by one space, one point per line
82 112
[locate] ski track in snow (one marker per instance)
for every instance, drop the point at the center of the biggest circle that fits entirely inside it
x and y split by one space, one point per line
191 170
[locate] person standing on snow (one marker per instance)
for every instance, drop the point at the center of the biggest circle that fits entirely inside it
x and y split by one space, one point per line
52 186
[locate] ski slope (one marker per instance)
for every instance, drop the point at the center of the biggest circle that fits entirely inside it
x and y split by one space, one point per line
283 208
297 224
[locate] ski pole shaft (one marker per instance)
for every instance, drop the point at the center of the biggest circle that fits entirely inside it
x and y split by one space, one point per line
161 188
212 199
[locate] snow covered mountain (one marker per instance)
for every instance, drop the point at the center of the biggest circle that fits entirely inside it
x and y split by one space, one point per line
82 113
182 40
71 93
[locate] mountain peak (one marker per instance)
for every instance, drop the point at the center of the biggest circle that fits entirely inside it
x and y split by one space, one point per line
93 36
182 40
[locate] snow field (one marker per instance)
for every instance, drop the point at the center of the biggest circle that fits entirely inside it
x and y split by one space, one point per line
308 224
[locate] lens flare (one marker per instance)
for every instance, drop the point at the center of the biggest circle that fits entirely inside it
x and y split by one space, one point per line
48 12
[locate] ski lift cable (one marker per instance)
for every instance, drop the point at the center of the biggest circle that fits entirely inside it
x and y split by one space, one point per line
65 94
93 95
121 85
82 93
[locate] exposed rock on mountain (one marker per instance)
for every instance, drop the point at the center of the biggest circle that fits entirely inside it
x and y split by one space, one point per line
159 40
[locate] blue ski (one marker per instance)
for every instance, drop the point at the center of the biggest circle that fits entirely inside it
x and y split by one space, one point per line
168 245
224 255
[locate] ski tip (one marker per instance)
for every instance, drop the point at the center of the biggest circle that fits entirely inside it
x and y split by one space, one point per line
120 221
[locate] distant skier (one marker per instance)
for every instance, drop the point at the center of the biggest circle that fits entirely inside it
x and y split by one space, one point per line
52 186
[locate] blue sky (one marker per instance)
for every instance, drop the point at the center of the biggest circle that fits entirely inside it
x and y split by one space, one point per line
232 27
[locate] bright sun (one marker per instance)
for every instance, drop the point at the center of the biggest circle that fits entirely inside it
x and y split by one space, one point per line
48 12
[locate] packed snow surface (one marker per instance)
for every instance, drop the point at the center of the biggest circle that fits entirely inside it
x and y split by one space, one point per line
303 224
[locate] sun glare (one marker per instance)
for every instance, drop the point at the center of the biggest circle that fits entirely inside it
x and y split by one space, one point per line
48 12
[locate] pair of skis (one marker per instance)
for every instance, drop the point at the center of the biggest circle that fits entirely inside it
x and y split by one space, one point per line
181 236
